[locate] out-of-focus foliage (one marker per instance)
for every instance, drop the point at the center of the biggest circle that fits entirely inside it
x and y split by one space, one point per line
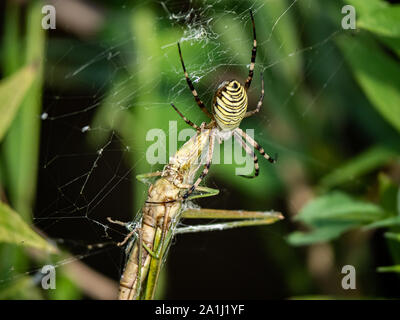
12 91
14 230
358 166
331 215
21 102
380 80
331 111
378 75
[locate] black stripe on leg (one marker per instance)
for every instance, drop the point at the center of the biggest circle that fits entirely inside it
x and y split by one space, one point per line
189 82
253 54
262 152
180 55
254 25
190 85
257 146
256 166
196 184
203 174
250 153
260 101
256 169
187 194
190 123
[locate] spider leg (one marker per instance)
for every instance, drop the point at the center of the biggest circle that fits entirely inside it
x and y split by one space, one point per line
190 84
260 102
205 170
190 123
253 55
124 224
253 143
251 154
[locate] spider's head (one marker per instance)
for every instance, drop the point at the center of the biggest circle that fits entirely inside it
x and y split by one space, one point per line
229 105
231 85
234 85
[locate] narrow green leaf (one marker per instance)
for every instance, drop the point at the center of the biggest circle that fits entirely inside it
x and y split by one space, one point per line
376 73
21 146
14 230
395 268
393 43
11 46
282 38
13 49
385 223
23 288
12 92
392 235
383 21
387 193
357 166
398 201
367 7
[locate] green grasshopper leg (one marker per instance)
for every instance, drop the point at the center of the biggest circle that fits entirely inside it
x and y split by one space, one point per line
244 218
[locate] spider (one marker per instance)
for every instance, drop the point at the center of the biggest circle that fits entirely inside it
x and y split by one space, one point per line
229 108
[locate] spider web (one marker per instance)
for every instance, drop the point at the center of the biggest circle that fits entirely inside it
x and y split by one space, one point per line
88 158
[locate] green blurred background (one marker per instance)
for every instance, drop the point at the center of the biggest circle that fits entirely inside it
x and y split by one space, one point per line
77 102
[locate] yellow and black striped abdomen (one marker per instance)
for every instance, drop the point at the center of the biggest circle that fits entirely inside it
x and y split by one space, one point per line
229 105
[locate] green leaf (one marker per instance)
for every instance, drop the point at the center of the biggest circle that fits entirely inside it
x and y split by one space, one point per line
388 193
393 43
398 201
395 268
23 288
23 45
376 73
14 230
12 92
11 44
318 235
282 38
337 206
385 223
21 146
392 235
364 7
383 21
358 166
331 215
